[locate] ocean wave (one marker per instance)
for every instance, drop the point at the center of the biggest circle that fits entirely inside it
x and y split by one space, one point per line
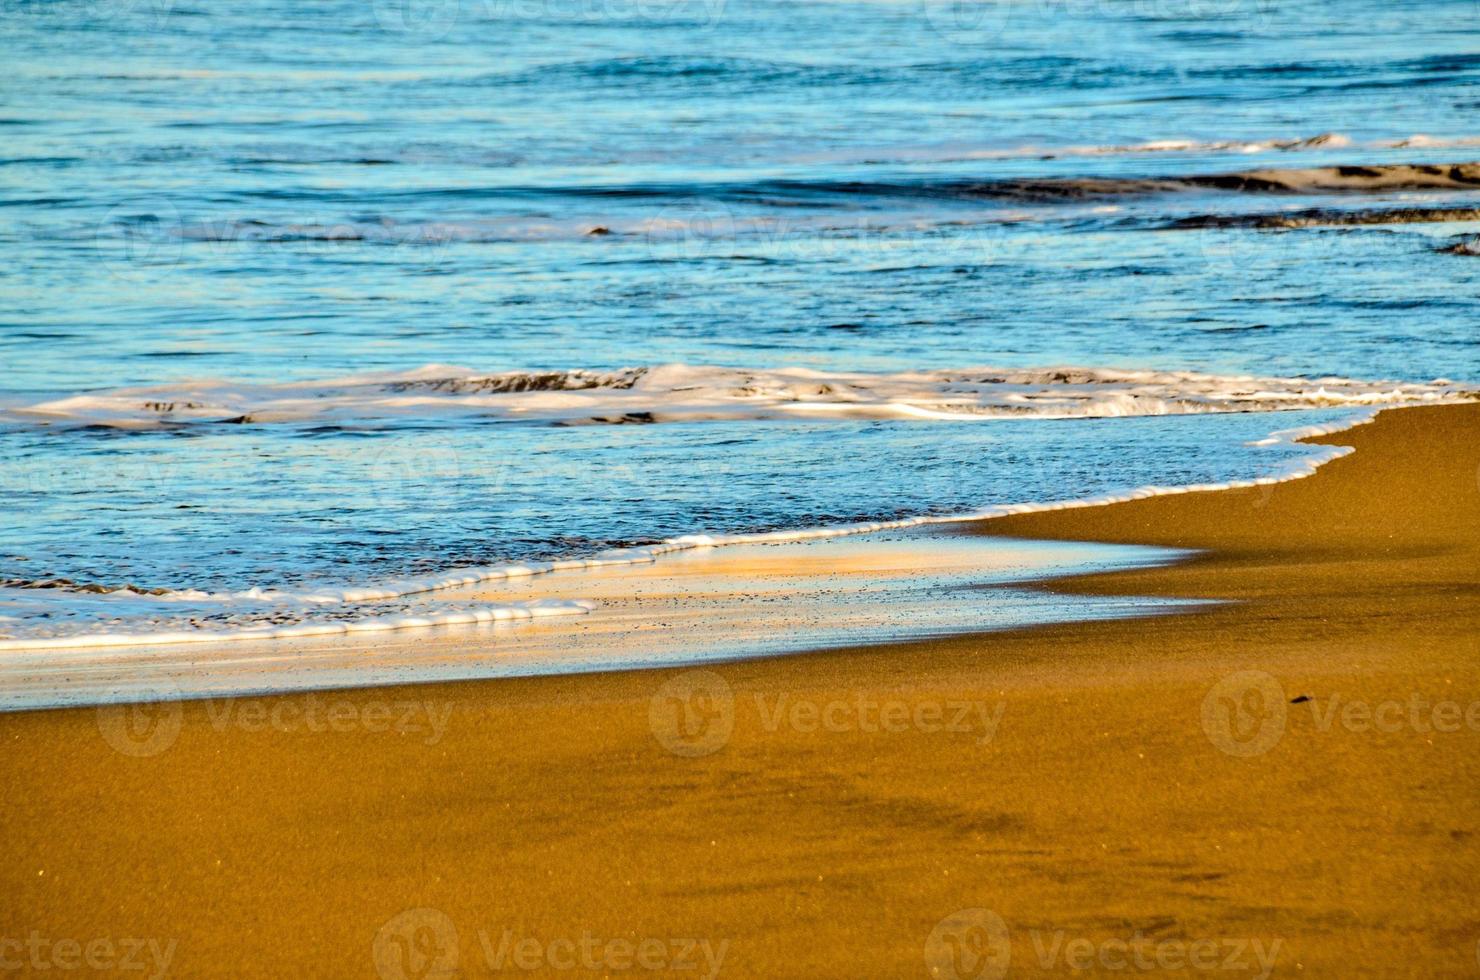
771 209
1336 179
709 201
686 393
1352 179
299 614
483 157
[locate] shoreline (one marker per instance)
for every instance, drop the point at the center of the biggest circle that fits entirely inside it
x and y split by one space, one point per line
746 601
1181 779
533 606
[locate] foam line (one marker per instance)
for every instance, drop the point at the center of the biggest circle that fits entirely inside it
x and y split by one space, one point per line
536 609
684 392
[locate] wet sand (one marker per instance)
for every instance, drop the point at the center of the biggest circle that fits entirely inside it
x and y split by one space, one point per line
1122 792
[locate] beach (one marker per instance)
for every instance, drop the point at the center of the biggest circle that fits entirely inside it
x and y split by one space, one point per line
874 488
1280 782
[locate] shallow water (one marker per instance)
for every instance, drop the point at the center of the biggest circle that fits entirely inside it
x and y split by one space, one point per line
268 193
701 606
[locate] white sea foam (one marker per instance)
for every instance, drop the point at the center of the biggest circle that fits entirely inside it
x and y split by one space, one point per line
463 578
1250 146
371 624
1186 145
679 392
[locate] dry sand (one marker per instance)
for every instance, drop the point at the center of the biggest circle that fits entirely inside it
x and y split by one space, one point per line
820 815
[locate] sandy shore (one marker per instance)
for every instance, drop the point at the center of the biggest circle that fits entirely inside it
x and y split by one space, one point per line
1125 796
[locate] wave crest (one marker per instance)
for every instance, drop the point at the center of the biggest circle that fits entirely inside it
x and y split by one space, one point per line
685 393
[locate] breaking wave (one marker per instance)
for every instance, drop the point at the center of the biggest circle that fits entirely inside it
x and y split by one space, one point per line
703 209
98 616
687 393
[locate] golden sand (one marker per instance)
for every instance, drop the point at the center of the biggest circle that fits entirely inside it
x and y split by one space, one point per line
1113 793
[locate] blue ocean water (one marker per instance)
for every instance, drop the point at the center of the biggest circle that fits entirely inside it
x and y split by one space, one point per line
270 193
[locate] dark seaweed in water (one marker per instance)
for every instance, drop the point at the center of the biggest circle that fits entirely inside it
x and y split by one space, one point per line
67 585
520 382
1468 246
1329 217
1348 179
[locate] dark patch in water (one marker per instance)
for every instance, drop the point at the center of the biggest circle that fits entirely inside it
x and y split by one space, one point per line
1328 217
524 381
630 418
68 585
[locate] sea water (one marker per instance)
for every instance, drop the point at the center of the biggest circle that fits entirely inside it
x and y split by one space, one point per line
306 307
